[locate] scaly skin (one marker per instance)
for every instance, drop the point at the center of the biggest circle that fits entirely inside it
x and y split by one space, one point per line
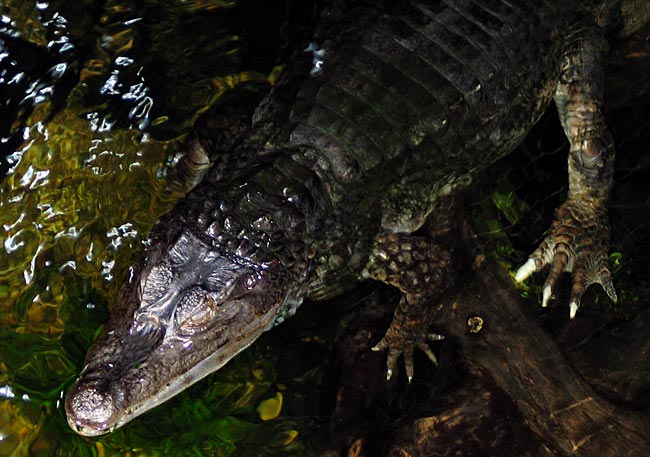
579 238
397 105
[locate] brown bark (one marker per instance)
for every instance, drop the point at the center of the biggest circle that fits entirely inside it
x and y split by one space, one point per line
519 396
484 422
526 363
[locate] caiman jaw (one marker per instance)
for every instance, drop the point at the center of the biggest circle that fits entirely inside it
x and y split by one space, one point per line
184 317
95 407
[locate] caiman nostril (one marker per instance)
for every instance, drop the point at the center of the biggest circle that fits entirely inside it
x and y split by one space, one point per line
89 410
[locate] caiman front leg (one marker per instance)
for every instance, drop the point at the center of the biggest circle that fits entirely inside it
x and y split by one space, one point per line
420 269
578 241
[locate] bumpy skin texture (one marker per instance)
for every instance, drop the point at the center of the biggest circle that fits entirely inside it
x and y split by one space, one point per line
397 105
578 241
420 269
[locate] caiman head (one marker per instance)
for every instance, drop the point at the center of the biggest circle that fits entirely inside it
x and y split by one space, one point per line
181 315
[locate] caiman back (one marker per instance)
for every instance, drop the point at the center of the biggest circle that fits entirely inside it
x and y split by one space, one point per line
408 100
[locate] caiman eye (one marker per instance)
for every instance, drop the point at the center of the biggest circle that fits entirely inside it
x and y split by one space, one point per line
201 318
198 312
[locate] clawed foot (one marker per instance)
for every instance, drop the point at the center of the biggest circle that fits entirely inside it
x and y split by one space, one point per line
578 242
399 342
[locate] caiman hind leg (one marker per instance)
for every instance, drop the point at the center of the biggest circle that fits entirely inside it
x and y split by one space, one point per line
578 241
420 269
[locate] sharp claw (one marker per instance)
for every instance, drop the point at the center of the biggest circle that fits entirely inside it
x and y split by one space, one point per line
409 370
427 350
577 243
525 270
611 292
546 295
408 365
612 295
391 363
401 349
380 346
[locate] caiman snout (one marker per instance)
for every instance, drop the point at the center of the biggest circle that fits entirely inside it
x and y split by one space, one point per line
182 317
90 409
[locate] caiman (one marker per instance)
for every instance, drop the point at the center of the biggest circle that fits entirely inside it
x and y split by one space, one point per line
393 106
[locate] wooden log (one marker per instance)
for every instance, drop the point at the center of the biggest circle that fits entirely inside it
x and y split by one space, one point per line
525 362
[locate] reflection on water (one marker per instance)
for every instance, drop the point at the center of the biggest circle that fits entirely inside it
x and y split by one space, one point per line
95 96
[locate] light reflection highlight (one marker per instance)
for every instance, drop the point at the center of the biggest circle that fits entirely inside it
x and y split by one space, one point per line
11 244
7 392
33 179
58 70
28 275
107 268
8 227
70 233
69 264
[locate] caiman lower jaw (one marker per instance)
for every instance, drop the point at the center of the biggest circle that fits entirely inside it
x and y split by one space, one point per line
93 408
